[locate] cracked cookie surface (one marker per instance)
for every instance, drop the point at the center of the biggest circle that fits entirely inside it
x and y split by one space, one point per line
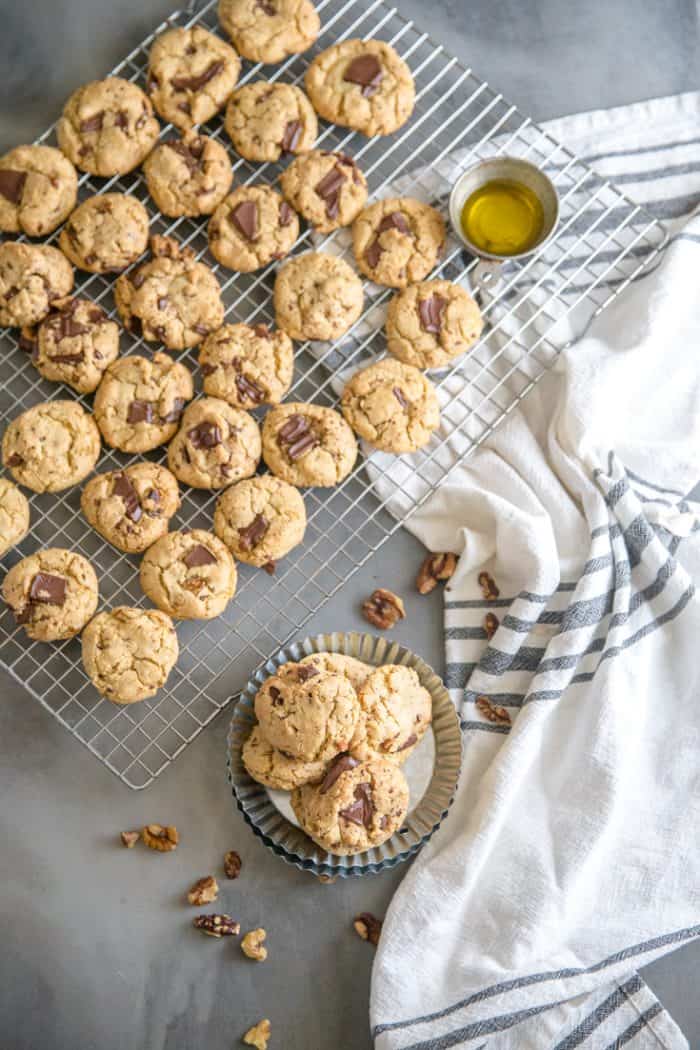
191 73
398 241
52 593
172 298
396 713
268 766
251 227
75 344
14 515
327 189
139 401
308 716
38 190
260 519
189 574
431 323
362 84
129 653
307 444
107 127
392 405
264 120
188 176
247 365
269 30
106 233
215 445
317 296
51 446
353 669
31 277
362 807
132 507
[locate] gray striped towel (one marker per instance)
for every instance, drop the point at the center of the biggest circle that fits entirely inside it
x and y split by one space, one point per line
570 858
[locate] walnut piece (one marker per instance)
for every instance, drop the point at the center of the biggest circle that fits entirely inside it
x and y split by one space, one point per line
383 609
204 891
491 625
258 1035
488 586
232 864
435 567
252 945
162 837
129 838
327 880
217 925
368 927
492 712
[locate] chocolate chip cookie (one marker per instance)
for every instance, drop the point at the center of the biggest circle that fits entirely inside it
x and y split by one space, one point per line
253 226
398 241
357 805
190 574
191 73
139 401
269 30
172 298
392 405
327 189
396 713
260 519
38 190
129 653
247 365
52 593
75 344
317 296
14 516
308 444
51 446
268 766
132 507
430 324
362 84
308 716
107 127
188 176
106 233
265 120
215 445
31 277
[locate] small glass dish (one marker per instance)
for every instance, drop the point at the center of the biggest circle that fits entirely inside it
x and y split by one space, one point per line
432 770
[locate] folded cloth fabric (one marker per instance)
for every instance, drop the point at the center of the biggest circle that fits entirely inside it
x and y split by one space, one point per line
570 857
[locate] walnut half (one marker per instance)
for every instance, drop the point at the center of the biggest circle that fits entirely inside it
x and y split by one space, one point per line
204 891
368 927
252 945
258 1035
163 838
383 609
435 567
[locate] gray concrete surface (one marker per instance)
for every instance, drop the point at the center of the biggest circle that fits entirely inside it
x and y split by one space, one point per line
97 950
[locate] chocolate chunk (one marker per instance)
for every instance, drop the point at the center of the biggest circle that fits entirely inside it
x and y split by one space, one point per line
208 369
245 219
15 460
430 313
296 437
65 327
270 567
340 764
267 7
373 253
409 742
195 83
292 134
140 412
27 343
96 314
92 123
275 696
286 214
400 397
361 810
162 302
12 184
137 278
394 221
350 163
185 107
205 435
249 389
365 70
47 589
262 331
190 153
128 494
121 120
67 359
175 412
329 189
200 329
199 555
251 535
306 671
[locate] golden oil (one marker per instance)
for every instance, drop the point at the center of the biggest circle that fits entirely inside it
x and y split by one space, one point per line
503 217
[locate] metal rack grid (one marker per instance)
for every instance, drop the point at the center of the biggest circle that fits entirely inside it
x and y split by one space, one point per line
603 242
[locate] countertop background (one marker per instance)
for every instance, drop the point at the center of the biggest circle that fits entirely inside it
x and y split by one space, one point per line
97 945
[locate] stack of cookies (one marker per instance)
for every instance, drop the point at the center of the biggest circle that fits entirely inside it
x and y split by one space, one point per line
170 300
335 731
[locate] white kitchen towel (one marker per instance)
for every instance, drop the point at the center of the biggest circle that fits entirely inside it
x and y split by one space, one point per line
571 855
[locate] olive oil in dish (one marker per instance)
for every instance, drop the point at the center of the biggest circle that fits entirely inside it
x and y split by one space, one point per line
503 217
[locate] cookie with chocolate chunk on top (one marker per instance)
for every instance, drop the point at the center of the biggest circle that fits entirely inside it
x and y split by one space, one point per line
327 189
38 190
188 176
132 507
191 73
74 344
247 365
269 30
266 120
52 593
252 227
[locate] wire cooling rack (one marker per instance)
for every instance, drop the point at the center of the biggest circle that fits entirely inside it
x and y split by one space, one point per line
603 242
